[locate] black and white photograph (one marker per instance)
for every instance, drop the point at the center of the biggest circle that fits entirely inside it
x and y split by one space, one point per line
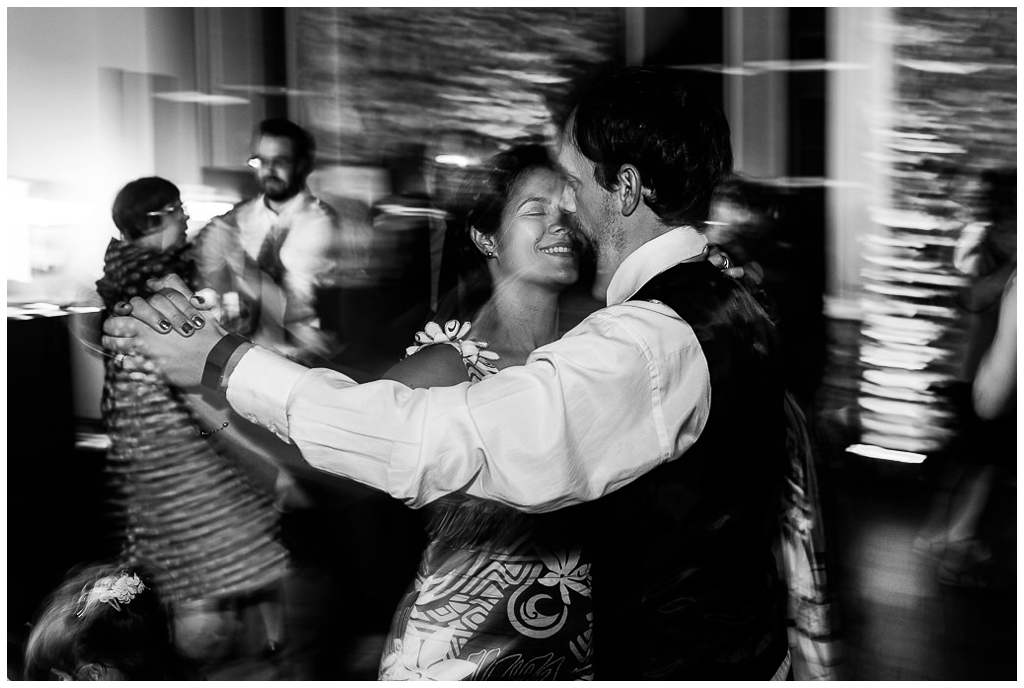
511 343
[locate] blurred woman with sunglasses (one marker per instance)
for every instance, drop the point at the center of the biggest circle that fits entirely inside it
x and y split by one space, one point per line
208 535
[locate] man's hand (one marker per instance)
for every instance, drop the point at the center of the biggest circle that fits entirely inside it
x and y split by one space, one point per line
751 272
171 332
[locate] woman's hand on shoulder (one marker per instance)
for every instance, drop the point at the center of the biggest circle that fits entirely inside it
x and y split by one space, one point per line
751 272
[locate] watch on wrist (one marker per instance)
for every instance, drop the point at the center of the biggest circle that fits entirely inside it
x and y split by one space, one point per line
218 359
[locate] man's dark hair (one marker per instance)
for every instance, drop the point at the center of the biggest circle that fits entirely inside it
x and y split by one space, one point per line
138 198
666 125
303 143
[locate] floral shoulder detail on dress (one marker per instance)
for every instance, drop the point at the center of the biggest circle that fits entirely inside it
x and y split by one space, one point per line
478 360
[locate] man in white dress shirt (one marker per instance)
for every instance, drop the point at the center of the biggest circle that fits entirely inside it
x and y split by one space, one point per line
267 256
607 409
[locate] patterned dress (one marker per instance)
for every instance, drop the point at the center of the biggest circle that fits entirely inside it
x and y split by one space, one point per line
499 594
189 516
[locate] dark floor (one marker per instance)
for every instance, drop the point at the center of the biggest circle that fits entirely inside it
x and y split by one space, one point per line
897 621
900 623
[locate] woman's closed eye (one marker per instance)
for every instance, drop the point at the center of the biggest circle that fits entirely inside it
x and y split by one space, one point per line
535 208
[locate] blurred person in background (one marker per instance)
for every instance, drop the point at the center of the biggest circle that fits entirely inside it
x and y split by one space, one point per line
270 258
984 448
106 622
770 228
267 256
407 225
995 383
207 533
748 221
615 419
514 255
451 157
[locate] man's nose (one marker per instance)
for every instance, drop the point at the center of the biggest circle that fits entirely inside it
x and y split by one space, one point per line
567 201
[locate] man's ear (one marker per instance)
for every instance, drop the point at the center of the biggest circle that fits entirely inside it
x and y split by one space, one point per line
485 242
630 190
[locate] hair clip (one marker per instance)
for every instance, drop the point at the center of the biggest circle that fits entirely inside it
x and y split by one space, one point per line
113 590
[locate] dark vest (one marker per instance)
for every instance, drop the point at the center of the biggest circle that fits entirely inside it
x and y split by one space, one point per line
685 582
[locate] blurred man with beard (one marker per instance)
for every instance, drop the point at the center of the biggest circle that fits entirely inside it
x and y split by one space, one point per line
268 258
268 254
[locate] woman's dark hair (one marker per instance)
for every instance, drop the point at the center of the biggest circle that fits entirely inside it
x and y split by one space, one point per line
763 206
137 198
999 193
481 202
999 209
71 633
665 124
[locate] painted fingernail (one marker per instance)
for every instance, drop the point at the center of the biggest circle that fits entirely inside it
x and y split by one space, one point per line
199 322
164 324
187 329
199 299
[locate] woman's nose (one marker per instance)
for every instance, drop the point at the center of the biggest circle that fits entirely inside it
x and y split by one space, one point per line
559 223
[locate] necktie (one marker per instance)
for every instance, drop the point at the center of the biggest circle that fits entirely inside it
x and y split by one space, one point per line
269 258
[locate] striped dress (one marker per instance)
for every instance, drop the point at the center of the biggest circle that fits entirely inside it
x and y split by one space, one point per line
188 514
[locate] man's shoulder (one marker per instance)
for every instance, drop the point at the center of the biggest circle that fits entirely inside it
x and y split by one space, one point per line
221 230
312 206
648 326
649 312
232 217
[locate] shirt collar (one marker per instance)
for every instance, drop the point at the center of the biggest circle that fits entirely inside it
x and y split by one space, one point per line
653 258
289 206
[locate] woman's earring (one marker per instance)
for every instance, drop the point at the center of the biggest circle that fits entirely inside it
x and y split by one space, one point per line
489 253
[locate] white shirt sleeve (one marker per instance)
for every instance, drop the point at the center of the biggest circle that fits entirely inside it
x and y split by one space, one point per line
625 391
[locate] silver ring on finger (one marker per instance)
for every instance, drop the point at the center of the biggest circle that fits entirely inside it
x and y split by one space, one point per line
725 264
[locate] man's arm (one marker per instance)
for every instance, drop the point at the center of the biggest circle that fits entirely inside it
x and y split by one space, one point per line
586 415
625 391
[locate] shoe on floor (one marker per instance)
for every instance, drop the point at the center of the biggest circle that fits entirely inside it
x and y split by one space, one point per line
933 547
984 575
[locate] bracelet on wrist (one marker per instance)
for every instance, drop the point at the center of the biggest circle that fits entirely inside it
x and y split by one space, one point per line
207 433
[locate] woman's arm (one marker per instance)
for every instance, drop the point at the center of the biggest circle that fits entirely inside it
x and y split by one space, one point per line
995 383
439 365
268 462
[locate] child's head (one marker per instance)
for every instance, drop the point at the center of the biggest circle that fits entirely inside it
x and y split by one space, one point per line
105 622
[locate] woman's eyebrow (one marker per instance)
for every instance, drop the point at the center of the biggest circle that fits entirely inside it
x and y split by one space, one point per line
534 199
